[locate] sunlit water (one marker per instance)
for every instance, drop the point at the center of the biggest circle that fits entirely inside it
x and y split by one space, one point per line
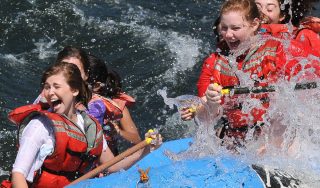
152 44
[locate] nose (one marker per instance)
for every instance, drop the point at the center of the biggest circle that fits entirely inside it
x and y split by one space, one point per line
229 33
50 91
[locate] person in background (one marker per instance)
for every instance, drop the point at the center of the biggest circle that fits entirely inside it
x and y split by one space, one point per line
59 146
278 14
109 104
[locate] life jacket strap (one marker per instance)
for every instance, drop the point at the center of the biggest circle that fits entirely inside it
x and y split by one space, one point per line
83 156
69 175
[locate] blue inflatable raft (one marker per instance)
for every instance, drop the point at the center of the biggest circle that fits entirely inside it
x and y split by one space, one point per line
165 172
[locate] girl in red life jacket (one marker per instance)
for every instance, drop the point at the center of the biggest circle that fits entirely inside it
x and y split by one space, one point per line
119 124
277 17
56 147
263 60
109 105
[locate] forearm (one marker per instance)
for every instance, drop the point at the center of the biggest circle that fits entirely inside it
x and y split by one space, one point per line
18 180
129 161
130 136
127 129
205 112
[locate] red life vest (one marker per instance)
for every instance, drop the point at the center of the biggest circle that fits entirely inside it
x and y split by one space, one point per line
111 117
307 33
264 64
74 153
124 100
114 109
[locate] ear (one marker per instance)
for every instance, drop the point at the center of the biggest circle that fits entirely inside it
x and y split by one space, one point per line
75 92
85 77
97 86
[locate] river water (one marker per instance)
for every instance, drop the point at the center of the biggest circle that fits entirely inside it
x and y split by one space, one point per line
152 44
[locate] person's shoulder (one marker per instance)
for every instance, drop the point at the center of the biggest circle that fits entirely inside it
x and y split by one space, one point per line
39 122
307 34
211 58
274 29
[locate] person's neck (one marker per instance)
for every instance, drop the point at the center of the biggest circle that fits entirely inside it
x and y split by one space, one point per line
73 115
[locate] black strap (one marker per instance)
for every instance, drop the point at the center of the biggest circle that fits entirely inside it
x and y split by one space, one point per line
70 175
82 155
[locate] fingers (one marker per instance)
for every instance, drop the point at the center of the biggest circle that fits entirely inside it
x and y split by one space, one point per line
156 140
187 114
213 93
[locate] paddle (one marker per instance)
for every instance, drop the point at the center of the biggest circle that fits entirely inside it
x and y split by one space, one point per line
113 161
246 90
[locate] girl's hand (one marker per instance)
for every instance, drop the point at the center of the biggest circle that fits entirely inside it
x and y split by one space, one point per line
187 114
156 139
213 95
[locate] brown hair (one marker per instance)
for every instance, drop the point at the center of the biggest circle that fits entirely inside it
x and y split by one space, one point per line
79 53
73 78
248 7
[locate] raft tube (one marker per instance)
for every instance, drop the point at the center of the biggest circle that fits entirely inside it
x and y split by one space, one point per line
166 172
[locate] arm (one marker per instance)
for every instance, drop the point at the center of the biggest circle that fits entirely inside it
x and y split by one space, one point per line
213 100
18 180
205 78
128 129
132 159
27 161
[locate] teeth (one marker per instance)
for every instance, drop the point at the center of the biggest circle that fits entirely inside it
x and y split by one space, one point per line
54 100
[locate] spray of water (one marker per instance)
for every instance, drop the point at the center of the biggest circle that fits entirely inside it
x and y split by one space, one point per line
290 132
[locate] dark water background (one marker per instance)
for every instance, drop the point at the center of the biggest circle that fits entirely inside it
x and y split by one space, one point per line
152 44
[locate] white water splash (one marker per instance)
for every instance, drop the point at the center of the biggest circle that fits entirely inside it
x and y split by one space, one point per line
44 48
13 59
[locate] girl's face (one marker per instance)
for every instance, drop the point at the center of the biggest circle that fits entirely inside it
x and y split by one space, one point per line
270 8
235 29
59 95
79 64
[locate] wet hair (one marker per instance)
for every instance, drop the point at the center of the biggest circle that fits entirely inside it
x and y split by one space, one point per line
113 83
299 10
73 78
248 7
79 53
98 72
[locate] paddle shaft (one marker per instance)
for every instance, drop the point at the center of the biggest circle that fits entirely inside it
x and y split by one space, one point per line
246 90
113 161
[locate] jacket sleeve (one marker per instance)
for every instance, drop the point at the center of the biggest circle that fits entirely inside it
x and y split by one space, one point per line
309 38
206 75
36 143
301 57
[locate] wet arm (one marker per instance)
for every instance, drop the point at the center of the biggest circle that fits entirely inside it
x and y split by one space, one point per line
33 137
128 129
18 180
